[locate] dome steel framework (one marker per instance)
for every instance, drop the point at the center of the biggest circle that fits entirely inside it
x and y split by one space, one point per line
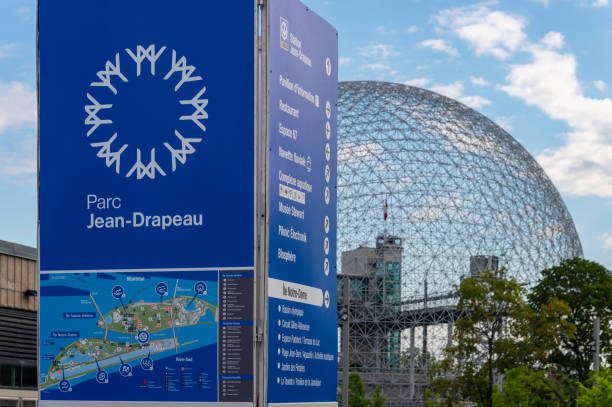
460 190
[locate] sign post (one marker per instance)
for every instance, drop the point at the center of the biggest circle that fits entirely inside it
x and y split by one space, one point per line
146 225
187 204
302 316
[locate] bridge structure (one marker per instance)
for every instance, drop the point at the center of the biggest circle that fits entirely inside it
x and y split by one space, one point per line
387 339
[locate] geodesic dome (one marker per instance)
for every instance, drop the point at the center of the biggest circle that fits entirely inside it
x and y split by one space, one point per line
457 186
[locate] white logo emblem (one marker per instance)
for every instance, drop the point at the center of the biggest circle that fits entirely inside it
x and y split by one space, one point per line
142 161
284 33
284 29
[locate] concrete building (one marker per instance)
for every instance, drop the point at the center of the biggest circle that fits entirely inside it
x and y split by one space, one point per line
374 275
18 325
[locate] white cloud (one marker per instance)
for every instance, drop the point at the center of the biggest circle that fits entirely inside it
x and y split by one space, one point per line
412 29
418 82
26 13
378 50
344 61
17 105
359 152
606 240
19 161
441 46
489 32
6 50
600 3
17 110
475 102
549 82
452 90
377 58
455 91
581 166
376 66
479 81
553 40
599 85
504 122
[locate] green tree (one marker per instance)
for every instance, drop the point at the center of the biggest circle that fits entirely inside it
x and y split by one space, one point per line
486 339
378 400
586 288
525 388
357 393
499 331
600 392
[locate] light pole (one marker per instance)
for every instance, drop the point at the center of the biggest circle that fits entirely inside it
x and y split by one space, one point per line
345 339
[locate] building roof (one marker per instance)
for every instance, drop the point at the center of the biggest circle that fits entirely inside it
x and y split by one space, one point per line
18 250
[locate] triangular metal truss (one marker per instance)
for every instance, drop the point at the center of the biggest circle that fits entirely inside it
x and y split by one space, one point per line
458 188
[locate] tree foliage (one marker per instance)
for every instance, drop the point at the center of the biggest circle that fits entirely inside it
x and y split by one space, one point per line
543 345
500 332
485 339
357 393
600 392
586 288
525 388
378 400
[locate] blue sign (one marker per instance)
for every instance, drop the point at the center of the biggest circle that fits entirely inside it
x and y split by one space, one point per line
146 199
302 316
146 134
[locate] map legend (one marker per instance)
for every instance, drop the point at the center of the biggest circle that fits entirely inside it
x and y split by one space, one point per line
235 353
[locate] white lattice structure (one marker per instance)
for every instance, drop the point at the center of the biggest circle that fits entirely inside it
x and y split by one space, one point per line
460 190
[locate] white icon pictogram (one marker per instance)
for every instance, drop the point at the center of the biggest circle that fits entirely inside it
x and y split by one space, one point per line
142 53
111 157
92 114
110 69
199 105
145 170
186 148
185 70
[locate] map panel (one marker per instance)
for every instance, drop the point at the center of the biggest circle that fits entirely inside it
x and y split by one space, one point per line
129 336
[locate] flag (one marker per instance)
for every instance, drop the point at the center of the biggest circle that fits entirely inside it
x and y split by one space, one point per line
386 208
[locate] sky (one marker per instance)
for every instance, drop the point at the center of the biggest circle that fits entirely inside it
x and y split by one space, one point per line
541 69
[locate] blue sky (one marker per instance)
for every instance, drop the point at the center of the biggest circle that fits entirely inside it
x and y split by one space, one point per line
542 69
